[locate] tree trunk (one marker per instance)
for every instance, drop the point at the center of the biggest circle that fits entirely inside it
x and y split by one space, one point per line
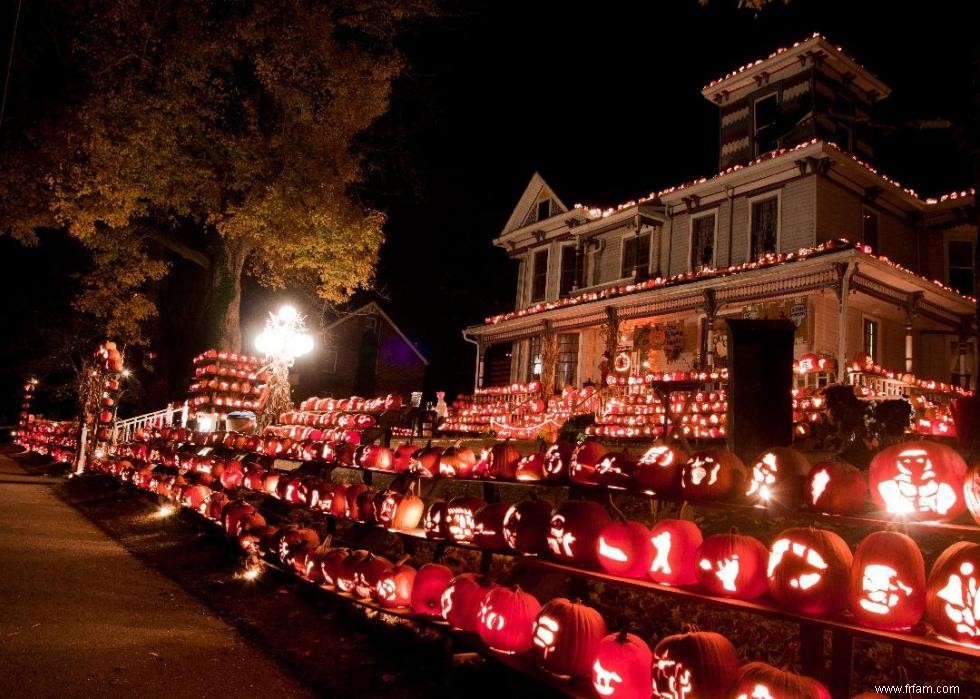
223 314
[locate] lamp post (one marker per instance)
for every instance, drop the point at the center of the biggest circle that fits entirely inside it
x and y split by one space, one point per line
281 342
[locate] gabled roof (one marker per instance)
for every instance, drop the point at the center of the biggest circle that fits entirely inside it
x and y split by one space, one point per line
368 308
532 193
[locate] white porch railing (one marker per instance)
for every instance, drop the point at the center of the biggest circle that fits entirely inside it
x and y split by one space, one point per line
123 430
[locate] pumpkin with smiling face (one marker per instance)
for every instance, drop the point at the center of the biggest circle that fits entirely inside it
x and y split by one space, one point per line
808 571
887 581
621 669
918 480
713 474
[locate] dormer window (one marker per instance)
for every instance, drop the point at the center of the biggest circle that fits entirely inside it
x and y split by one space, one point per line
766 116
544 209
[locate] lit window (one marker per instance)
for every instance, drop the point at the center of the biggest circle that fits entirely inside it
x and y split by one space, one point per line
703 242
765 222
872 339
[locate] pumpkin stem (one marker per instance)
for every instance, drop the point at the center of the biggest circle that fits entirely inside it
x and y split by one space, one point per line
622 636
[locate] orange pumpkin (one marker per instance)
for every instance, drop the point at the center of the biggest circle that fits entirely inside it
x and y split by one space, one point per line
808 571
919 480
887 581
714 474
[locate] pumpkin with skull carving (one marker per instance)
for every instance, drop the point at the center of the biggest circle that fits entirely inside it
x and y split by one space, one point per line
808 571
887 581
713 474
621 669
919 480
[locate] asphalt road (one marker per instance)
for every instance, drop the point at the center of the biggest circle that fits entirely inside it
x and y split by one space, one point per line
80 617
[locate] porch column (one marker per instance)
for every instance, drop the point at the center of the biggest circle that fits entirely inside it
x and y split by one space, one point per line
965 333
481 358
706 355
911 309
843 287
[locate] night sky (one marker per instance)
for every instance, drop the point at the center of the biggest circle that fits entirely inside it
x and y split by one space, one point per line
604 103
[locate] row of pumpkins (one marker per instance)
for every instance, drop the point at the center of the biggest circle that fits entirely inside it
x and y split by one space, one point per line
566 638
920 480
806 570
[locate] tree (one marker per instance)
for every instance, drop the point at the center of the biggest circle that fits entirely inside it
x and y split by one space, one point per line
220 132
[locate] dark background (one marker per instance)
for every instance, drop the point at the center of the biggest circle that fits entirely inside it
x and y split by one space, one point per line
604 101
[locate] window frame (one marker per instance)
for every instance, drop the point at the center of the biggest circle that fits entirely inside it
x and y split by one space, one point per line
534 298
756 152
537 210
973 250
622 253
778 195
876 352
714 239
576 273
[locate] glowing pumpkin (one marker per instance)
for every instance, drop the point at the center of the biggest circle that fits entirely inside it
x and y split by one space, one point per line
367 574
714 474
566 636
733 565
394 587
556 460
573 534
621 669
376 457
919 480
699 664
953 594
488 528
436 522
971 491
331 565
675 548
582 463
461 602
506 620
777 477
408 513
530 468
457 462
431 582
887 581
461 517
526 525
625 549
808 571
762 681
659 470
386 505
346 576
835 486
501 461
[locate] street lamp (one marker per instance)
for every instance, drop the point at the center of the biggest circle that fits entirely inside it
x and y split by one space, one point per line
281 342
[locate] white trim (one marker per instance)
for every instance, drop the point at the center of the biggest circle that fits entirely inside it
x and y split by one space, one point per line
778 194
755 125
690 237
534 273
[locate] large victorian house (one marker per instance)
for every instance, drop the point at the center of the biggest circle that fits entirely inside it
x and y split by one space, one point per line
796 224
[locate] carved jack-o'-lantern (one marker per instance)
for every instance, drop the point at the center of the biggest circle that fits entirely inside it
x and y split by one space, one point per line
368 573
488 530
971 491
556 460
621 669
659 469
835 486
457 462
431 581
758 680
953 594
526 526
385 506
713 474
624 548
675 547
506 620
461 602
461 517
582 463
777 477
566 635
700 664
887 581
530 468
436 521
573 534
732 565
614 470
808 570
920 480
394 587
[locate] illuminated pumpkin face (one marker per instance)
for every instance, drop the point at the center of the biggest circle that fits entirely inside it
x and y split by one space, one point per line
919 481
556 458
566 636
505 620
659 470
712 474
835 486
732 565
614 470
386 509
671 680
574 531
808 570
887 581
696 664
777 477
675 545
622 667
461 518
953 594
